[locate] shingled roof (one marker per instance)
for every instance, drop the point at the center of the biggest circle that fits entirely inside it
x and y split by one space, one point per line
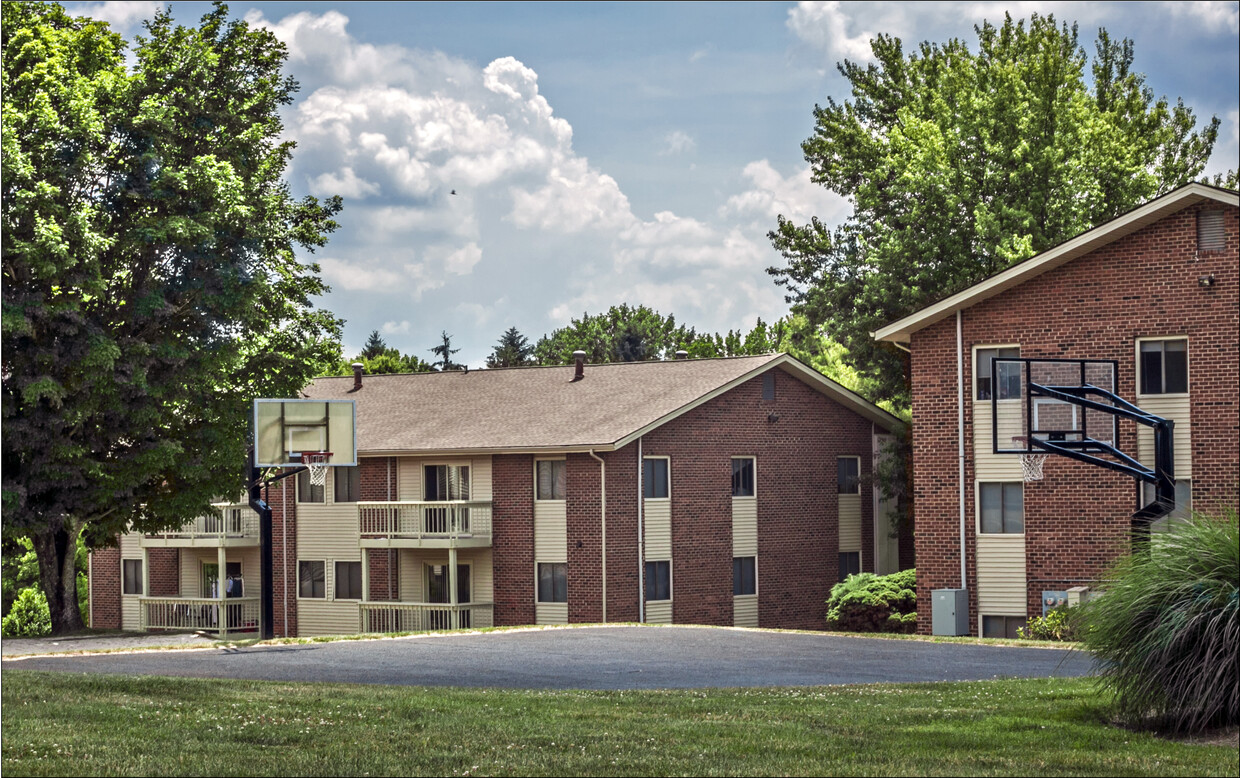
542 408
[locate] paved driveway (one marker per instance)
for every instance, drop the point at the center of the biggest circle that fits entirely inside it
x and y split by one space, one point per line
595 658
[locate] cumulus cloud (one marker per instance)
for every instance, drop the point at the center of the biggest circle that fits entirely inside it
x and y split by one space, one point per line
1214 16
125 17
794 197
825 25
393 328
678 142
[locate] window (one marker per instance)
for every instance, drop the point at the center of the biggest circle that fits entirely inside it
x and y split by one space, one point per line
1164 366
744 575
306 491
848 475
850 563
654 479
348 484
1210 232
131 576
310 579
446 482
1002 626
552 582
551 482
1009 373
1003 508
348 580
768 386
658 580
742 476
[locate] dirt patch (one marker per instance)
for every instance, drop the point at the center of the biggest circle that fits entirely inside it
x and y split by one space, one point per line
1226 736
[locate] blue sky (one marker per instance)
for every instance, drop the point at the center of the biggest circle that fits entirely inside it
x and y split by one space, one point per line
608 153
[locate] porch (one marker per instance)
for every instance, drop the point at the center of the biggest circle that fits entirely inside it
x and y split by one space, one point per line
230 616
425 524
230 524
423 616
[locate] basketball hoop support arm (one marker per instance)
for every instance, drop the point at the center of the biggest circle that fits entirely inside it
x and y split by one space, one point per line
254 491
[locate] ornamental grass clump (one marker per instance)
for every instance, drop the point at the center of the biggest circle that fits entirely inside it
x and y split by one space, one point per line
866 602
1166 629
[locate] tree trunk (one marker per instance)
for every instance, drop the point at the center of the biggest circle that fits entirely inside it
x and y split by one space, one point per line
56 549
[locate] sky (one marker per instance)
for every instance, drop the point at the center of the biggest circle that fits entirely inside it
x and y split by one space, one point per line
521 164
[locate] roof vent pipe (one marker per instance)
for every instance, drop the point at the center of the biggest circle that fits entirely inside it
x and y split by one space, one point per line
357 376
579 357
682 354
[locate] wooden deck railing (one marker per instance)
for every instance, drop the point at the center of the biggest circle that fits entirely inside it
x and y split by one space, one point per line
418 520
423 616
240 614
232 520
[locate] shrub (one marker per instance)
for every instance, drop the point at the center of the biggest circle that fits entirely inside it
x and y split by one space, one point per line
866 602
29 617
1166 630
1057 624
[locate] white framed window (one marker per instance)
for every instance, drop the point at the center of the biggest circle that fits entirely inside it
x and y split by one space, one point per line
445 482
550 479
1162 365
744 575
131 576
348 483
1001 508
1002 626
312 579
1008 381
308 492
744 476
848 475
658 581
552 582
657 478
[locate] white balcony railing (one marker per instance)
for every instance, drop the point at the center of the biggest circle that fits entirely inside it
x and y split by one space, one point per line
235 614
235 520
411 520
423 616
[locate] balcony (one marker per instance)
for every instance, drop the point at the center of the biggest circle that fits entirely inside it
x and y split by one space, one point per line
423 616
234 524
412 524
240 614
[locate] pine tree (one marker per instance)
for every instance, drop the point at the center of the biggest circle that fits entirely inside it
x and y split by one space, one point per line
445 352
513 350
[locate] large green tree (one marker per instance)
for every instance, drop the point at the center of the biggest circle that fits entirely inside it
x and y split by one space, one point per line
513 350
960 163
150 283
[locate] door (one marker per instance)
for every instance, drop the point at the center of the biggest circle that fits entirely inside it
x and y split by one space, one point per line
442 483
437 591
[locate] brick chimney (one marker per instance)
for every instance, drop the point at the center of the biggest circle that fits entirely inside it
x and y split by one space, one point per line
579 357
357 376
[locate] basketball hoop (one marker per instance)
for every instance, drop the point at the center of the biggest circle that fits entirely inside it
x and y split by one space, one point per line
316 463
1030 464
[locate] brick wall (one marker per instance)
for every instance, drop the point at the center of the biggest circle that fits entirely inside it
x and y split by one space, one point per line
1094 307
512 528
165 575
105 588
282 497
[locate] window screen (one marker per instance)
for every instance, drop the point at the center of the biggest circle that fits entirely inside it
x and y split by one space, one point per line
850 563
552 582
744 575
310 579
446 482
1164 366
1210 233
848 475
348 484
654 479
1009 373
742 477
348 580
131 575
307 492
658 580
551 480
1003 508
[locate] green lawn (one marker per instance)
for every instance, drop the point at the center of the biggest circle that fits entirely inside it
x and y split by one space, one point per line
59 724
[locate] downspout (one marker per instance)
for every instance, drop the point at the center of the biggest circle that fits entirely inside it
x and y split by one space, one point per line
960 439
393 554
602 464
641 540
90 589
284 552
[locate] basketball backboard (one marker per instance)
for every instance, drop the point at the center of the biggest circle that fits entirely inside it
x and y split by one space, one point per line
1036 403
286 429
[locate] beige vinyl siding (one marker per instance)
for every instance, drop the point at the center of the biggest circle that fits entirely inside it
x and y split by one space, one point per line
744 526
850 522
192 560
412 574
328 529
988 465
659 612
327 617
409 478
131 616
1001 583
657 517
551 613
1176 407
744 610
550 531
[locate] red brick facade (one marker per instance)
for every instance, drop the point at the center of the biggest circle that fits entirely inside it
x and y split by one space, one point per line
1094 307
512 538
105 588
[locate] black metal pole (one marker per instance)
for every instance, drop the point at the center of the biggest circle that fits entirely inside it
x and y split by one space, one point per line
267 568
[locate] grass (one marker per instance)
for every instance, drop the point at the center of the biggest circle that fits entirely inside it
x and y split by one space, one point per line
60 724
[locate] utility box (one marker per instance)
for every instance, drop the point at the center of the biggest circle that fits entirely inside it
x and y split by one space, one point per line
950 612
1052 600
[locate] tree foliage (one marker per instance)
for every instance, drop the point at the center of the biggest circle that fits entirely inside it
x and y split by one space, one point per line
378 358
151 288
445 351
375 346
961 163
513 350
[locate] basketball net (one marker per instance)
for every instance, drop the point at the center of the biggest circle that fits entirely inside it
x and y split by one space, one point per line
316 463
1030 464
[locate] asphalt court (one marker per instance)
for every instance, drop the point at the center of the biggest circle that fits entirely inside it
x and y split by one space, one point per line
629 657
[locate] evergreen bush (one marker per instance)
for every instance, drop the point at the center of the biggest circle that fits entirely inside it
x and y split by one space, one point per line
1057 624
29 617
866 602
1166 630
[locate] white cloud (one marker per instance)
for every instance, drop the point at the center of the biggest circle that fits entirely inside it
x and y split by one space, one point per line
125 17
795 197
678 142
461 262
824 25
345 183
354 276
392 328
1214 16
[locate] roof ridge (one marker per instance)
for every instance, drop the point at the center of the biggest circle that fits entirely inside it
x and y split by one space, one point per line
543 367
